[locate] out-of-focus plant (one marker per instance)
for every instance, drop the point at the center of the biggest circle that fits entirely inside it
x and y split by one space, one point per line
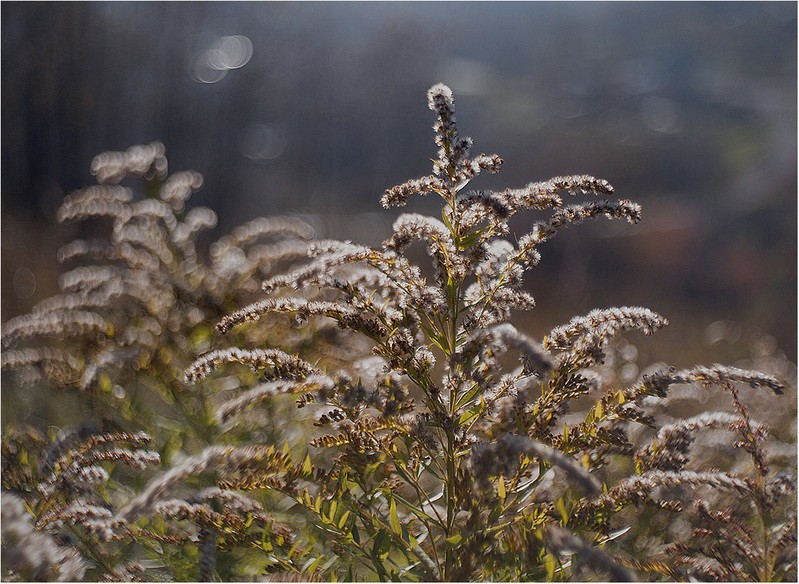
434 454
134 308
133 312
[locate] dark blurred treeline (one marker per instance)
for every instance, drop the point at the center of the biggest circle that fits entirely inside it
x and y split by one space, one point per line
688 108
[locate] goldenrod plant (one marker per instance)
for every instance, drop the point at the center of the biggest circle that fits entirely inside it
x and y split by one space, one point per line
438 442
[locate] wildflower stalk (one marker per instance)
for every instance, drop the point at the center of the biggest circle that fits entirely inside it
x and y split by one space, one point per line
453 299
450 328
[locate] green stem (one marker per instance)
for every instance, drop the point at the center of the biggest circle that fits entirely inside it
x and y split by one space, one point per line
765 521
450 487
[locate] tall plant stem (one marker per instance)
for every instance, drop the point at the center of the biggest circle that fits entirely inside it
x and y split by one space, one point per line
453 311
451 510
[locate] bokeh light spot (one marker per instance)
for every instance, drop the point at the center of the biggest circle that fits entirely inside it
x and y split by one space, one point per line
228 52
263 142
661 114
203 71
233 52
24 283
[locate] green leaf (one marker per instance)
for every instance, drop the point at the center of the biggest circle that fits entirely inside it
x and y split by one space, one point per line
381 546
393 518
452 291
105 382
296 550
438 340
446 220
311 565
550 564
413 508
327 566
468 396
470 240
561 507
469 415
599 409
403 472
454 539
343 519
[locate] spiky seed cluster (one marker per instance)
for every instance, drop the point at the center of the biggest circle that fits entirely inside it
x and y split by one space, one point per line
95 519
566 543
74 460
668 451
220 459
659 382
312 383
598 326
397 196
502 458
637 487
498 339
453 163
585 336
279 363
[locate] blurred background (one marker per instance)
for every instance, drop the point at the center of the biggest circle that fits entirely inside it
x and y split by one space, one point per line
316 108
